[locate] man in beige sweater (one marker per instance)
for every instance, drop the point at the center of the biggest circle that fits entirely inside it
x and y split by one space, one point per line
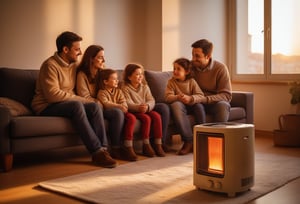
55 96
214 80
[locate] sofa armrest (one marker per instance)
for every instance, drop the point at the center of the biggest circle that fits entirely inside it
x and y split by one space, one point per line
246 100
5 117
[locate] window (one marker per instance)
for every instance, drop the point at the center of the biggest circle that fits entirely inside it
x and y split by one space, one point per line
264 43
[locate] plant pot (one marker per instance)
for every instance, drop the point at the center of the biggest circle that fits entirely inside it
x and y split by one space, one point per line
289 122
286 138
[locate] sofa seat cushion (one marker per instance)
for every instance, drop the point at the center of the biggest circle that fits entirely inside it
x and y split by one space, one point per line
32 126
36 126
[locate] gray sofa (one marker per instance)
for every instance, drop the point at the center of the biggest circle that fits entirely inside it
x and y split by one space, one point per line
21 131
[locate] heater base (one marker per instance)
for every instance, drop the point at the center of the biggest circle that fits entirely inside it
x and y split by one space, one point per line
229 194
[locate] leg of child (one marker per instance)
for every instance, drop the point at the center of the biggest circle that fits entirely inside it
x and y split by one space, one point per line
146 124
156 126
128 151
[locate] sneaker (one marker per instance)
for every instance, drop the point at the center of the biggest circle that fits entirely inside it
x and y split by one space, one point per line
148 151
186 148
159 150
127 153
103 159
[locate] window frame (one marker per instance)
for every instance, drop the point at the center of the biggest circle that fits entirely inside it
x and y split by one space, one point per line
267 76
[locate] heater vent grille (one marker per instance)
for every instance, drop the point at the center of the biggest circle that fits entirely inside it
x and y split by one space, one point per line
247 181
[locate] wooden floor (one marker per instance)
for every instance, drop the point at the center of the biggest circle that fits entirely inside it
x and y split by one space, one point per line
20 184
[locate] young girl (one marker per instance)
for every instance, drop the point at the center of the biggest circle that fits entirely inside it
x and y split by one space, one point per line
112 98
141 103
92 63
183 91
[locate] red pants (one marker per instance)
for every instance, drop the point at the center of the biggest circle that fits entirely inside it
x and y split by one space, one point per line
130 120
150 121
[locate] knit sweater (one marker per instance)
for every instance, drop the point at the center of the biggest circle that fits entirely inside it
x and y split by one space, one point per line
137 96
187 87
84 88
111 99
214 81
56 83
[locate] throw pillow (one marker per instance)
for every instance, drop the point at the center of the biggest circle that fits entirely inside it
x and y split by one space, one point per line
15 107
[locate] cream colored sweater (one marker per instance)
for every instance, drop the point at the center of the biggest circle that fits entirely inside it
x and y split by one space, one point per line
187 87
111 99
136 97
55 83
84 88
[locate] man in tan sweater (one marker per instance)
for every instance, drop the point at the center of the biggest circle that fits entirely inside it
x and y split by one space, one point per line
214 80
55 96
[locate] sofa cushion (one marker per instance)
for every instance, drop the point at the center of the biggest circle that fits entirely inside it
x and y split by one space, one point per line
18 84
157 82
32 126
15 108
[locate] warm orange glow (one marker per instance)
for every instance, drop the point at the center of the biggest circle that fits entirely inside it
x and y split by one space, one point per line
215 154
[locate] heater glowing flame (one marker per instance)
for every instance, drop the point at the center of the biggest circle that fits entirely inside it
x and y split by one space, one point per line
215 154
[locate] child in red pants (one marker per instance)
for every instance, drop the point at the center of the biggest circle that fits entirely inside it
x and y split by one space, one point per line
141 103
112 97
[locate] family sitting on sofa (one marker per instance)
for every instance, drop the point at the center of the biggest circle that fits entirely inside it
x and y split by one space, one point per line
199 86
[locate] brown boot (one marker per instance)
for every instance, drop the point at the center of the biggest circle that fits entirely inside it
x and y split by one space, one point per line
186 148
128 154
159 150
103 159
148 151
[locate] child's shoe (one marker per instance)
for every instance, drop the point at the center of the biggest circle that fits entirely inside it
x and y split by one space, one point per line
159 150
148 151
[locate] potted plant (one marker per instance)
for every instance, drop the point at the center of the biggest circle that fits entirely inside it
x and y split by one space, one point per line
295 92
289 132
292 121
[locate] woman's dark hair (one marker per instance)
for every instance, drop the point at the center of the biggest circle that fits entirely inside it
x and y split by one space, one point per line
186 64
128 71
84 66
103 75
205 45
66 39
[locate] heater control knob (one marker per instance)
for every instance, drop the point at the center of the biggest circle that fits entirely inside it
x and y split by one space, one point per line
210 184
218 185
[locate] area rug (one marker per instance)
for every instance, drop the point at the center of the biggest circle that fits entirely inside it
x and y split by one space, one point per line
169 180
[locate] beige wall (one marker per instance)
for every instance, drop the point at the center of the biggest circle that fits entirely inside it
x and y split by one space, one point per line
151 32
185 21
270 101
129 30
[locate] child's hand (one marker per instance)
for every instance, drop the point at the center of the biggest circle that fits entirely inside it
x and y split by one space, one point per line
123 108
186 99
143 108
